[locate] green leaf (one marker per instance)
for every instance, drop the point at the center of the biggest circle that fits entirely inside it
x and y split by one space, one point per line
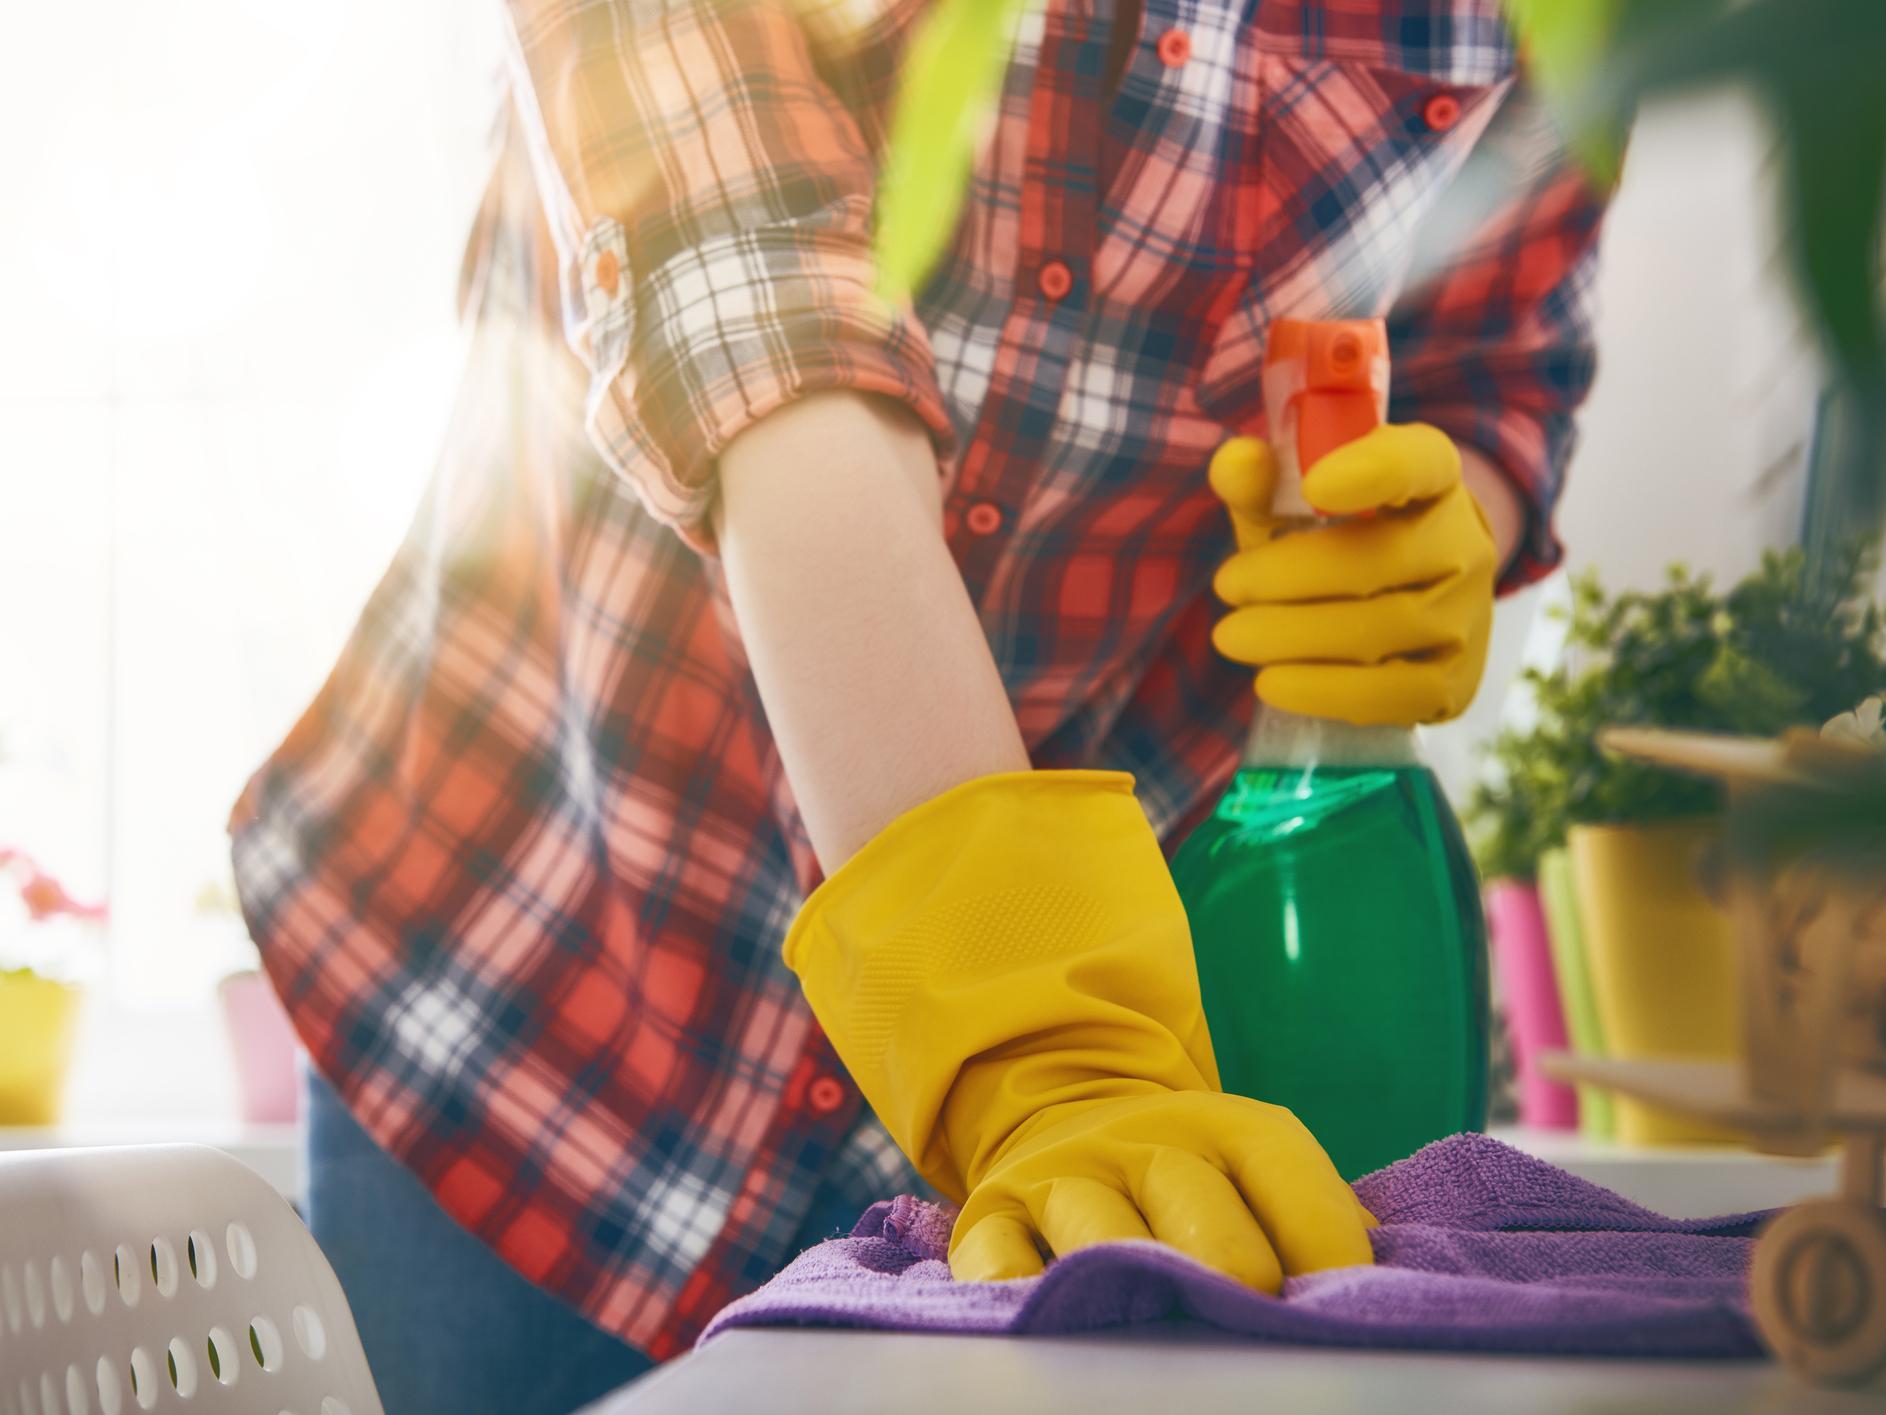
1566 43
1565 39
1817 67
1834 171
952 80
1782 648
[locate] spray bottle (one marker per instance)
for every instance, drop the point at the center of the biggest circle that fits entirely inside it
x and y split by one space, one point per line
1334 908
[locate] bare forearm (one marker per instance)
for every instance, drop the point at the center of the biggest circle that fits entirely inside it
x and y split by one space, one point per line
1506 515
873 667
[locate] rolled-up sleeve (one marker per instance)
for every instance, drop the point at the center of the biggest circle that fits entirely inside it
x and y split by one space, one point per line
1493 344
710 197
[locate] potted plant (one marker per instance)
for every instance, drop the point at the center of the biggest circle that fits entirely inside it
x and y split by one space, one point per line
1781 649
1565 932
1515 816
261 1038
39 1001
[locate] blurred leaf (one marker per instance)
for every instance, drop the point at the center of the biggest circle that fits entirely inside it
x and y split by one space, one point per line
1593 60
1565 43
1819 69
1834 172
1565 39
951 82
1736 684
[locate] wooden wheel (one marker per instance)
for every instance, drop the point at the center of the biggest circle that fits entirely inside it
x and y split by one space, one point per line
1818 1286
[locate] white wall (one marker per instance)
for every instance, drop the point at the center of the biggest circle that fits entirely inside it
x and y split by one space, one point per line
1694 439
229 245
1693 444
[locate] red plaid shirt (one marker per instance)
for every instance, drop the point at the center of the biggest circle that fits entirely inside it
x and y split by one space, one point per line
522 870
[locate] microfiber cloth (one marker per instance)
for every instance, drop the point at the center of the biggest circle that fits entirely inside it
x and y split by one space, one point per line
1481 1248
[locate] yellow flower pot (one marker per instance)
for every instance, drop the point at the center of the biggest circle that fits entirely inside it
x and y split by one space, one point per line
1661 957
38 1019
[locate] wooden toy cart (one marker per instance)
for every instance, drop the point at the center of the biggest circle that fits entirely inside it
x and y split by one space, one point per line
1810 930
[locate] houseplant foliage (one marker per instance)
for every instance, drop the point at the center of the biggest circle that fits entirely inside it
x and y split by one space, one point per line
261 1038
38 1003
1780 649
1842 823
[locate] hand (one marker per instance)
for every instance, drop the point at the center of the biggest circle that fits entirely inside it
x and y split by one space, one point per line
1234 1183
1372 619
1008 974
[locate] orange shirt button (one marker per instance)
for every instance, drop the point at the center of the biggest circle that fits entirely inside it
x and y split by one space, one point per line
608 272
1441 112
984 518
825 1095
1175 47
1055 279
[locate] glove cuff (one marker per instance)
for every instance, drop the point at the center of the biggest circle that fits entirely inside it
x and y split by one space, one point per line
1012 944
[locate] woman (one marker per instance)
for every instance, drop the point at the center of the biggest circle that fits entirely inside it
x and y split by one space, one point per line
733 573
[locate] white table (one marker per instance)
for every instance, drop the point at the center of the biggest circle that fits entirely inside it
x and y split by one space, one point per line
1192 1371
1684 1181
1185 1371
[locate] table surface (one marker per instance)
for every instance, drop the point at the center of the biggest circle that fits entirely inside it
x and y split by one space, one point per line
1150 1369
1683 1181
1187 1371
835 1372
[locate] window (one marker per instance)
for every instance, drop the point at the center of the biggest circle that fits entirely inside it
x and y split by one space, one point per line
227 269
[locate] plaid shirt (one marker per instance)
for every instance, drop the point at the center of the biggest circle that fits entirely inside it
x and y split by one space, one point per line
521 871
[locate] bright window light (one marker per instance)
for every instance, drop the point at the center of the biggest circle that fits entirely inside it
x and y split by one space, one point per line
229 245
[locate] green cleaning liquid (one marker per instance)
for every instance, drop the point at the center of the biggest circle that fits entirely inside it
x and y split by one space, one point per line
1341 949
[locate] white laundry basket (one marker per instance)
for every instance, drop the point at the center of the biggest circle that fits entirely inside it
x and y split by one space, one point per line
166 1277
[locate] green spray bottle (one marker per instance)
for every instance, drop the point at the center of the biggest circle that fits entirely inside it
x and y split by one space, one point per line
1334 908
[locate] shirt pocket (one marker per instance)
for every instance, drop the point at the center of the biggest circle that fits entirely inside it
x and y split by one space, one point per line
1363 121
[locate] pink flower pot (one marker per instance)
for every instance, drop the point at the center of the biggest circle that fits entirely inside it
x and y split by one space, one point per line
1529 990
264 1044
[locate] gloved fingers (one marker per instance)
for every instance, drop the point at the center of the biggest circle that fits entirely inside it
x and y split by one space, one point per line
1386 467
1079 1212
999 1246
1366 631
1191 1205
1244 474
1311 1217
1401 692
1418 545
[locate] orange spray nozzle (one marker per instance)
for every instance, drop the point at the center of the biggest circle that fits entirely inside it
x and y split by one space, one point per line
1325 383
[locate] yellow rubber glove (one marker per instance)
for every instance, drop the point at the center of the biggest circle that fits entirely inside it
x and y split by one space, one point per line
1374 620
1008 974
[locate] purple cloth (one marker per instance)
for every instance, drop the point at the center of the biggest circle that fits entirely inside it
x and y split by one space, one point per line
1481 1248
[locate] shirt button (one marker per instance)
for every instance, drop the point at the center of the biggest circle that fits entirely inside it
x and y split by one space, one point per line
1441 112
608 272
984 518
825 1094
1175 47
1055 279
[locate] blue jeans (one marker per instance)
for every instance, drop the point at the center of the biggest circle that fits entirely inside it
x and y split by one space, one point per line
449 1327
